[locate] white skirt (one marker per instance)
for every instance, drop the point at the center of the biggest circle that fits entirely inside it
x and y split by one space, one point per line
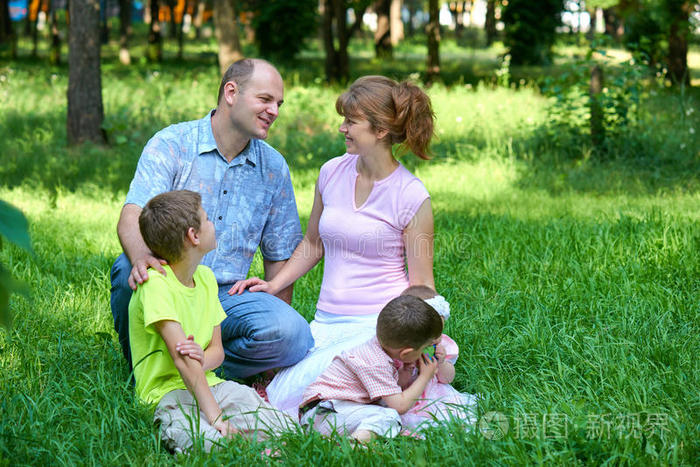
332 334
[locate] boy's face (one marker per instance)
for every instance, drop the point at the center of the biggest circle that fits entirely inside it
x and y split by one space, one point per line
414 354
206 234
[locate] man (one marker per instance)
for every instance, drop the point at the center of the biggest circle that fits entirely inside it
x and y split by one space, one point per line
247 191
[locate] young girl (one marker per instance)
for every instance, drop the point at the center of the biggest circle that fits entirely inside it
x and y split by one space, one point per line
439 401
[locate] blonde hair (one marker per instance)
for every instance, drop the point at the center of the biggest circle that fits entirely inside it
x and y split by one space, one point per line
403 109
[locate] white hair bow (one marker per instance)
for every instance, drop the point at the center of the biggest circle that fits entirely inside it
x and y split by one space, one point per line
441 305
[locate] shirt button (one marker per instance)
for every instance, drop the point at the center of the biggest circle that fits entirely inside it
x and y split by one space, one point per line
220 217
225 191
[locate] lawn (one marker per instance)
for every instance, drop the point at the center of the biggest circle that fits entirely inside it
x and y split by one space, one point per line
574 277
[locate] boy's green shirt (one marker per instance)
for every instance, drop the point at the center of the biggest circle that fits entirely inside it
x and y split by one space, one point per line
198 311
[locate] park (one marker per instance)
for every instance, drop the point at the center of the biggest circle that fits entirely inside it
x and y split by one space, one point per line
565 188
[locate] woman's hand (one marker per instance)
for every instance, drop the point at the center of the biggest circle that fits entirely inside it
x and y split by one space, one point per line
254 284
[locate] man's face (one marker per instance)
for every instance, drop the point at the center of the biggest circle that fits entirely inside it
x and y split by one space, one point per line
256 107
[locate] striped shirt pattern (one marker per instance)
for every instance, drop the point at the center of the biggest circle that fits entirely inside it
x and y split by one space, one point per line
363 374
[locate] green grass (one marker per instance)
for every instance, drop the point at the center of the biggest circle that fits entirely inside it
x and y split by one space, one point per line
573 281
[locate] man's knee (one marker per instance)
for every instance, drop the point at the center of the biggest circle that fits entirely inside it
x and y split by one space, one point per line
295 338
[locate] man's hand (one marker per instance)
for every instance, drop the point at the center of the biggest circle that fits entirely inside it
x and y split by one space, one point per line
139 270
190 348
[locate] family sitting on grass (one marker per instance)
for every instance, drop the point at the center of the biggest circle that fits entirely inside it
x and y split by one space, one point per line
207 194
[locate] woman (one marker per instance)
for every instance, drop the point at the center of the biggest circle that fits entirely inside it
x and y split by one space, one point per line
371 221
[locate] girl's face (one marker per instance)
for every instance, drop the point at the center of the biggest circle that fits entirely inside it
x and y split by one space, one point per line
360 138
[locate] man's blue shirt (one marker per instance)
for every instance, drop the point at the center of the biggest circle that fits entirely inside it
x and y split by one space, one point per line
250 199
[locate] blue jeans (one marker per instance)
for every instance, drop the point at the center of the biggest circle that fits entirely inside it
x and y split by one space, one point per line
261 331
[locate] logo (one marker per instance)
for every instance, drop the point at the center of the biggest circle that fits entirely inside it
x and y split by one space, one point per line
493 425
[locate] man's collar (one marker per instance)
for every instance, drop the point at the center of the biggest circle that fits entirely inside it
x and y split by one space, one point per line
207 143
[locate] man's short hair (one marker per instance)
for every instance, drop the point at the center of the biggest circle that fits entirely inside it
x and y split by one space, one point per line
407 321
240 71
165 220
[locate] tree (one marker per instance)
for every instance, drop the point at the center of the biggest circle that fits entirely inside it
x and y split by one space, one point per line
659 31
226 34
432 30
154 52
334 29
85 111
281 26
530 30
7 32
395 22
383 47
490 24
125 31
678 34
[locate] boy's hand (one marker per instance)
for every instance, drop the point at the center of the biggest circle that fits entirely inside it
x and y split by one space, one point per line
440 354
427 366
190 348
225 428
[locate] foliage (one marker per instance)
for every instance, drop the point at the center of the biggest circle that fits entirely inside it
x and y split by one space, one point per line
530 30
282 26
626 88
13 227
646 34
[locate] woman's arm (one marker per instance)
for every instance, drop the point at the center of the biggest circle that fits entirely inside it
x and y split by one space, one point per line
418 239
306 255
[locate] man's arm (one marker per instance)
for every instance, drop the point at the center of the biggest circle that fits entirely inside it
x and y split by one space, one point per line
134 247
271 270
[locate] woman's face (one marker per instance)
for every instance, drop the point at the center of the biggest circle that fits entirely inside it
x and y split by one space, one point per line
360 138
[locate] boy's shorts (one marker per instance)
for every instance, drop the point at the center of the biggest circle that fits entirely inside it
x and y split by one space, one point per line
182 425
346 417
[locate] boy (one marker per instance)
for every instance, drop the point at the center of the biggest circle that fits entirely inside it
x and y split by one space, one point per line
175 334
359 394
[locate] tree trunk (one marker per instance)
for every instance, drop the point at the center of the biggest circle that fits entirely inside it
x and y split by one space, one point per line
154 52
433 32
55 54
412 8
678 41
85 111
7 32
490 25
198 18
382 36
226 34
125 31
337 62
595 90
395 22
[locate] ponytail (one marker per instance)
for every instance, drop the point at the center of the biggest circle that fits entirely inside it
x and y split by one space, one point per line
403 109
414 116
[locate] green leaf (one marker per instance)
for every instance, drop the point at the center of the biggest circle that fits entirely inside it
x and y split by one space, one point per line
14 226
7 286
